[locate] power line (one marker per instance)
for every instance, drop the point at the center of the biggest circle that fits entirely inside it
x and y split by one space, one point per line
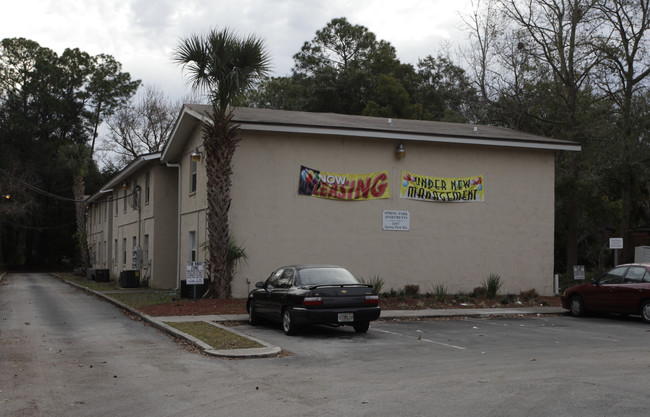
48 194
20 226
38 190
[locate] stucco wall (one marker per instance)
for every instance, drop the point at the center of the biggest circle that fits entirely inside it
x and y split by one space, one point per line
455 244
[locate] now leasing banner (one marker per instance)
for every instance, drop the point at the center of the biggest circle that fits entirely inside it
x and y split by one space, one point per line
343 186
419 187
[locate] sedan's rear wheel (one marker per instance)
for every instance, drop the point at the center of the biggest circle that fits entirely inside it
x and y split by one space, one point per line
577 306
361 327
288 324
645 311
253 319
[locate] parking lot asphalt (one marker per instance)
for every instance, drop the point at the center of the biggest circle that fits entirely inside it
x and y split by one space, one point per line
270 350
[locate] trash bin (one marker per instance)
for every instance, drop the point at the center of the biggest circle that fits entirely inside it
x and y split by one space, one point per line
130 279
101 275
90 274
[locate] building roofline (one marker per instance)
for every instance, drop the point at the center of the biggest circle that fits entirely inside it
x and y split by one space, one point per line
124 174
331 124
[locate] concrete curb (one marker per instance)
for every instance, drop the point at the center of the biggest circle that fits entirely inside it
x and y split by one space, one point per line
269 350
266 351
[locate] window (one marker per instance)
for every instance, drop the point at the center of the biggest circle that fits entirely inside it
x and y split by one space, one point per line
193 166
117 196
134 262
115 252
124 251
636 275
124 198
135 194
285 279
192 243
147 188
146 250
272 281
615 276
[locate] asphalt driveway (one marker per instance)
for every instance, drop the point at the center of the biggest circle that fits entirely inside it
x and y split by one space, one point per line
65 353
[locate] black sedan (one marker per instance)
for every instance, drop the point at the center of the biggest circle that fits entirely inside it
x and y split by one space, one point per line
313 294
624 290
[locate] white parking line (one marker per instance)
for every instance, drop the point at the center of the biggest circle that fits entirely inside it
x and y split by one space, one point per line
420 338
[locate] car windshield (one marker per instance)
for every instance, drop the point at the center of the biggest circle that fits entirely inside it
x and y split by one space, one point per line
326 276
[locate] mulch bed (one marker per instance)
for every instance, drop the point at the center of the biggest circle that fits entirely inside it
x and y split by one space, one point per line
189 307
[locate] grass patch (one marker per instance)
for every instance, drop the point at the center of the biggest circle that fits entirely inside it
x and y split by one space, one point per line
91 285
144 299
214 336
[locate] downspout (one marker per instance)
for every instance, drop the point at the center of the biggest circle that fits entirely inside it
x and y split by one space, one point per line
109 230
178 227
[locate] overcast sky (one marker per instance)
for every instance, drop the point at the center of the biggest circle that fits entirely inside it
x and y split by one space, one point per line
141 34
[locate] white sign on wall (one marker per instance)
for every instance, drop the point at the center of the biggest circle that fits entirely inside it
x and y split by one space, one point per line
396 220
194 273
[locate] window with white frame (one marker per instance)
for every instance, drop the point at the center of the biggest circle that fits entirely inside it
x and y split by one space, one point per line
147 187
145 250
192 246
193 168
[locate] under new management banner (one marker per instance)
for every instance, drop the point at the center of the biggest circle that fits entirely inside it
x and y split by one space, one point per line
353 187
438 189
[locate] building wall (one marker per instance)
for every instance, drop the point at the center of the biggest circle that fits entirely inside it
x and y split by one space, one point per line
454 244
98 225
162 228
127 227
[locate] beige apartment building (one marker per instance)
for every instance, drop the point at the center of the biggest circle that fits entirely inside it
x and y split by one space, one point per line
412 202
132 223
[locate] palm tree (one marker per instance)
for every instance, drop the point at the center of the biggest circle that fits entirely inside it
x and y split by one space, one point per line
225 66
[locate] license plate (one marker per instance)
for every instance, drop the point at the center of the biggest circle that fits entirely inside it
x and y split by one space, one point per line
346 317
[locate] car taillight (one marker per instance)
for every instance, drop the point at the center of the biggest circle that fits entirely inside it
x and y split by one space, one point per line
372 299
312 301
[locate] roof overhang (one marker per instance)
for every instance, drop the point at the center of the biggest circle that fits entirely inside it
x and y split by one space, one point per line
124 175
329 124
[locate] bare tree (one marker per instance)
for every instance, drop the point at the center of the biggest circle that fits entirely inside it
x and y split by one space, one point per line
141 127
624 81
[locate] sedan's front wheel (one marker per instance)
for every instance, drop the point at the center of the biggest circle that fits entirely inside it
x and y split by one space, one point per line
288 325
253 320
577 306
645 311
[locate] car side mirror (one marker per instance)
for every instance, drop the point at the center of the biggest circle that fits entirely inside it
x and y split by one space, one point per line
594 281
259 284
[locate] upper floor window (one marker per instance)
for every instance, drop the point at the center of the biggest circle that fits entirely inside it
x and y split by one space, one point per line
192 246
147 187
193 167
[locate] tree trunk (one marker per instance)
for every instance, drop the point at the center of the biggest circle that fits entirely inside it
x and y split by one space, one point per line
78 190
219 141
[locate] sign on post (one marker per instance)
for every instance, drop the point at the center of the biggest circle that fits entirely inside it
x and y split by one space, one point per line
578 272
194 273
616 243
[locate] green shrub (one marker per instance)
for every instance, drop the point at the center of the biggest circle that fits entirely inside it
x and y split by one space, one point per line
507 299
376 281
463 297
492 285
529 295
479 292
411 290
440 293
